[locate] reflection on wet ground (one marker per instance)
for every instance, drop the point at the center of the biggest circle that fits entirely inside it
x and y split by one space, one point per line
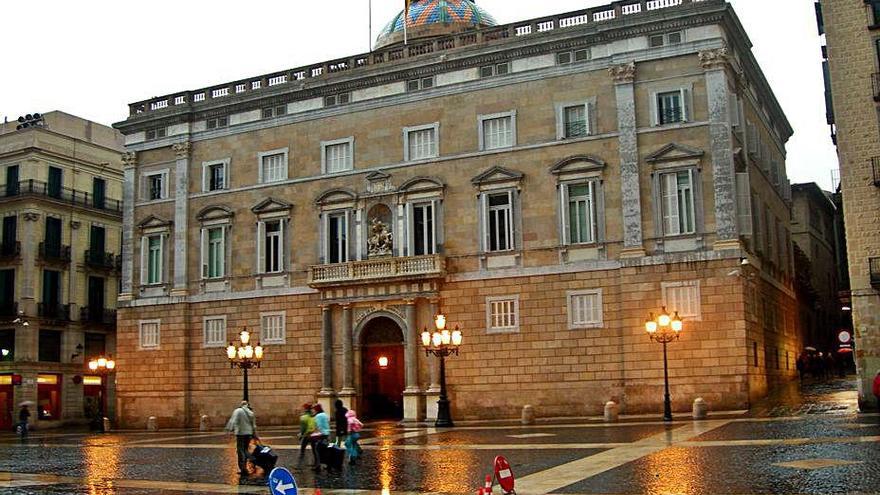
809 440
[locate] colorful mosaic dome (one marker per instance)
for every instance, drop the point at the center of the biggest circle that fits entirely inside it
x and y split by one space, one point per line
424 14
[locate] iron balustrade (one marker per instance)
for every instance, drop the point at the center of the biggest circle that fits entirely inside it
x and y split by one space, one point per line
874 269
102 260
58 253
63 194
97 315
671 116
54 311
10 250
575 129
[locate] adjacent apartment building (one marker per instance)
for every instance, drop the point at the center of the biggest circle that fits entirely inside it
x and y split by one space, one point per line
59 265
852 75
545 184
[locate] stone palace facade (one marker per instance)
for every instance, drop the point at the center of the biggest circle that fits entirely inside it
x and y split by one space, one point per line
545 184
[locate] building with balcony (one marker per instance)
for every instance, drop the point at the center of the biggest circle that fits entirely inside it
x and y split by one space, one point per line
852 81
59 275
545 184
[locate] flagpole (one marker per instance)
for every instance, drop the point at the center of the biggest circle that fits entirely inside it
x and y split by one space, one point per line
405 20
370 29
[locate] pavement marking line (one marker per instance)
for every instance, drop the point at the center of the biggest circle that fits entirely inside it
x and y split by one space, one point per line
165 439
780 441
563 475
401 436
814 464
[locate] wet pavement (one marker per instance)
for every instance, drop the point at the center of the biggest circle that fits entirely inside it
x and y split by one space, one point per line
802 440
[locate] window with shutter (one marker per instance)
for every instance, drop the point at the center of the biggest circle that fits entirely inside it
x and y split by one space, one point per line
585 309
502 314
683 297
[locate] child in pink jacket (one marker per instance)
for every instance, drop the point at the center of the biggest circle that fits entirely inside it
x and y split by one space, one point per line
351 441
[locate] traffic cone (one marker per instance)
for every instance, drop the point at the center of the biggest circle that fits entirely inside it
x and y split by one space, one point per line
317 491
488 488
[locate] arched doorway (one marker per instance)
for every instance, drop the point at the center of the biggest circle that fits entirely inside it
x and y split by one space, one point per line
382 369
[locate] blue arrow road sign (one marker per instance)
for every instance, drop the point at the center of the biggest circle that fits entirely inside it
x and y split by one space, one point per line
281 482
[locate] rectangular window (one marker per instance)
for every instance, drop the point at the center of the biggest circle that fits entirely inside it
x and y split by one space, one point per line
156 184
215 331
95 345
49 397
214 176
10 235
273 251
7 345
214 252
422 83
498 133
333 100
422 143
272 328
677 195
673 38
50 346
564 58
148 334
337 156
12 185
495 70
581 213
683 297
52 294
574 119
99 190
154 259
273 167
875 12
156 133
53 187
217 122
276 111
502 314
670 108
337 237
500 224
423 242
585 309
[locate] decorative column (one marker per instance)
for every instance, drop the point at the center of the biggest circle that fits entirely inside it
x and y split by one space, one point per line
624 78
412 396
433 392
181 216
347 394
129 169
326 395
715 63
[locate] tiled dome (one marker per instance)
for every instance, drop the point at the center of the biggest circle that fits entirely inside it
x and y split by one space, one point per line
453 15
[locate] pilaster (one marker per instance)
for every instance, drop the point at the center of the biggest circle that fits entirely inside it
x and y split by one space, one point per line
129 169
412 395
715 64
624 78
347 352
433 392
181 215
326 351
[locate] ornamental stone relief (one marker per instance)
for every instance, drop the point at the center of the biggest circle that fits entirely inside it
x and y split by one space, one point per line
715 58
623 74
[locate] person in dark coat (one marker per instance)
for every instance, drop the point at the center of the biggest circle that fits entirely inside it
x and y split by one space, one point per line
341 422
24 416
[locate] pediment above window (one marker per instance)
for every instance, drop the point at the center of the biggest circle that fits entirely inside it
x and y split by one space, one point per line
674 152
337 198
154 222
577 164
497 177
422 185
379 182
271 205
212 213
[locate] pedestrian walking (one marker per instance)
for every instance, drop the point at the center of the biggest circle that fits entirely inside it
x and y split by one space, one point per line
341 422
24 416
306 428
242 424
354 434
318 438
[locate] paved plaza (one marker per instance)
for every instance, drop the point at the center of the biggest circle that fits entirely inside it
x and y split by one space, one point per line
806 440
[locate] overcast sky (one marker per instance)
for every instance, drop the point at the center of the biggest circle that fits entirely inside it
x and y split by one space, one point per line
92 58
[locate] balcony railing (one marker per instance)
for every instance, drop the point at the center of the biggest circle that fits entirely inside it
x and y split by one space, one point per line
63 194
874 269
8 308
875 82
97 315
875 168
54 311
412 267
10 250
102 260
55 254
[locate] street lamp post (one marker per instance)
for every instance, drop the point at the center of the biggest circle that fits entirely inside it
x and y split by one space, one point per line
442 343
244 356
102 366
664 329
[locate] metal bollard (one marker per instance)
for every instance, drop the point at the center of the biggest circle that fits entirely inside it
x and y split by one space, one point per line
701 409
152 424
106 424
528 415
204 423
612 412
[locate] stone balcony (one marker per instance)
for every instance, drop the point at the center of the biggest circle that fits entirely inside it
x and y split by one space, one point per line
388 269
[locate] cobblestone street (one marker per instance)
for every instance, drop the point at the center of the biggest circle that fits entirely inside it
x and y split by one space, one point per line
807 440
